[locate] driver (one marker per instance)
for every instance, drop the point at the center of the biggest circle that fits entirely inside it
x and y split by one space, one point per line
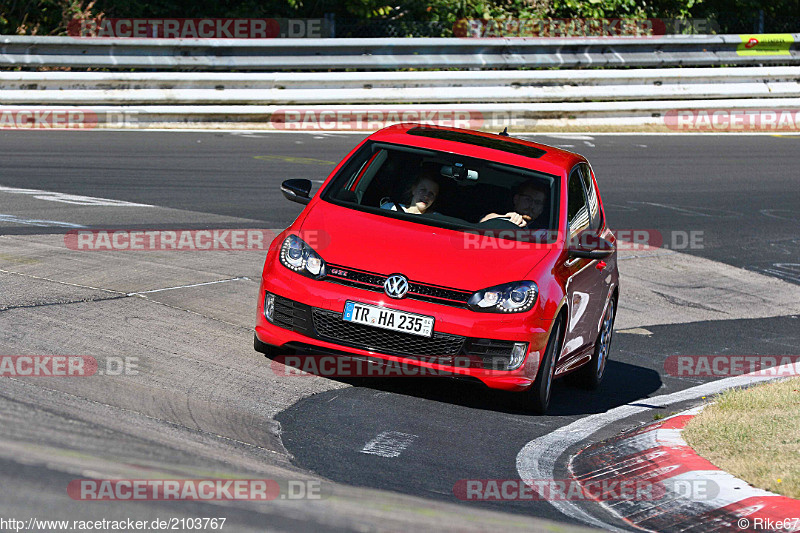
529 200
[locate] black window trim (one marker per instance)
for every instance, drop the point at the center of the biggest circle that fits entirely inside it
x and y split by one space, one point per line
501 144
577 169
327 194
592 180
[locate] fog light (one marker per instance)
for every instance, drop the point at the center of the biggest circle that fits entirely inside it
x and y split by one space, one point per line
517 355
269 306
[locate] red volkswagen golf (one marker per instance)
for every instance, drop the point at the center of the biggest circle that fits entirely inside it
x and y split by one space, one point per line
474 254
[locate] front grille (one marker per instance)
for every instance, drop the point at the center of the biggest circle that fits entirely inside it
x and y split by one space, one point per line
330 326
292 315
495 354
372 281
441 348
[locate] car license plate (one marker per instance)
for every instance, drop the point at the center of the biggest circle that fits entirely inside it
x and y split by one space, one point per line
381 317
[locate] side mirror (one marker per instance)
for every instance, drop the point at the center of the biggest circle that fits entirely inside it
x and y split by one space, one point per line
594 248
297 190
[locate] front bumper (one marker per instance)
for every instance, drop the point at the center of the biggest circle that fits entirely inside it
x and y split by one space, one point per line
465 343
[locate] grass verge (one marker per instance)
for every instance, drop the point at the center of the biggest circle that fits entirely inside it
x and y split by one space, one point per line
753 434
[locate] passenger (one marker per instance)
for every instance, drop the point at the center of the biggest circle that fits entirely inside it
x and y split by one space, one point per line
422 194
529 201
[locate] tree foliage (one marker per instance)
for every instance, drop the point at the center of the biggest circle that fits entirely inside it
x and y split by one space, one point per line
50 17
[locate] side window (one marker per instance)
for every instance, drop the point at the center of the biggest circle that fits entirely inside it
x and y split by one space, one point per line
594 205
577 212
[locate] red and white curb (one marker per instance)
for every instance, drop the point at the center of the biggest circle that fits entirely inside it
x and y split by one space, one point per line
694 494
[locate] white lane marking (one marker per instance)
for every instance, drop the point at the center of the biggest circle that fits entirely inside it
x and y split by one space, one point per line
389 444
791 216
59 282
618 207
571 137
636 331
790 271
242 278
70 198
38 222
670 437
694 411
730 488
537 459
697 211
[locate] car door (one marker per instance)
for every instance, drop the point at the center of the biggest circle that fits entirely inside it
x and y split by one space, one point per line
598 231
583 278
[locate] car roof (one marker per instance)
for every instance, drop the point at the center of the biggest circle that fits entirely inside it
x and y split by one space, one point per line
481 145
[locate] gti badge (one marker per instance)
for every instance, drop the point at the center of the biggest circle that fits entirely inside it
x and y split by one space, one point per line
396 286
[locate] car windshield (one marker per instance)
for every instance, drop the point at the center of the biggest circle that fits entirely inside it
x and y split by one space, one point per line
445 190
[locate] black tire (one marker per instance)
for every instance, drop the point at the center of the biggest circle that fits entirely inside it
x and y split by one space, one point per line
537 397
590 375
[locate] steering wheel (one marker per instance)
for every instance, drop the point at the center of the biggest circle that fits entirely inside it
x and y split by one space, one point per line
499 223
387 200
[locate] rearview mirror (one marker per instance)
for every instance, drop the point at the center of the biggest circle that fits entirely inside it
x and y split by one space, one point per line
297 190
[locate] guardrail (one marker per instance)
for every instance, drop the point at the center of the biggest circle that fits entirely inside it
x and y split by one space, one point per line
109 88
385 54
367 100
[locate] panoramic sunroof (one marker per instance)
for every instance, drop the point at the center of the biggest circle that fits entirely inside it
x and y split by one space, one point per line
478 140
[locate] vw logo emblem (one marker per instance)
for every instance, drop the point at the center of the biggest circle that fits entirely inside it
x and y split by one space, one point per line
396 286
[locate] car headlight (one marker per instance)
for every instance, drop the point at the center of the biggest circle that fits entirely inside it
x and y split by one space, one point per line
298 256
516 297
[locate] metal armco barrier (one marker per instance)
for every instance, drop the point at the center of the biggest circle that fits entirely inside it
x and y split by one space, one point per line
115 88
374 96
391 54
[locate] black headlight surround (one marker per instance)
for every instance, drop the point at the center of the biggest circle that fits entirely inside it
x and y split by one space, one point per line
295 255
514 297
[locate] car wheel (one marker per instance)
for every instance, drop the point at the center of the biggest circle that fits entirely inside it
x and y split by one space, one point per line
537 397
592 373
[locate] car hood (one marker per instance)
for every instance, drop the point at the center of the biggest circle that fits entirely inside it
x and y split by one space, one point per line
427 254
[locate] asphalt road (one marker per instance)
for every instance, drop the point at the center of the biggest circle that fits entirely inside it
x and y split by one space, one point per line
738 194
204 402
